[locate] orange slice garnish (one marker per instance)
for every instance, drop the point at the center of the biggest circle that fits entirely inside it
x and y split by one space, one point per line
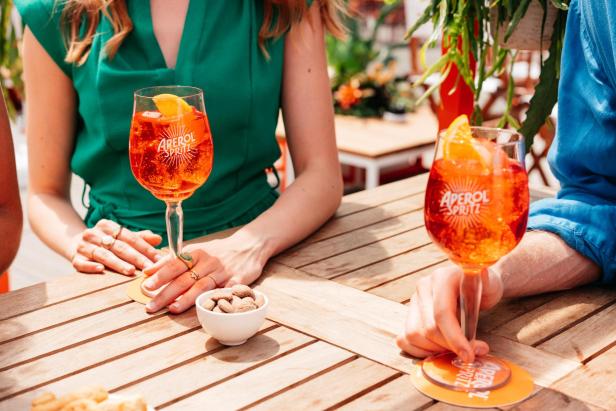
459 144
171 105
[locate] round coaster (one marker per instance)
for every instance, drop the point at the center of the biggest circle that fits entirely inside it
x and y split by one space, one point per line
486 373
134 291
519 387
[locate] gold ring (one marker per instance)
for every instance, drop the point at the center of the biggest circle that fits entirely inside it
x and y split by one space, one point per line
211 276
117 233
107 241
187 259
194 275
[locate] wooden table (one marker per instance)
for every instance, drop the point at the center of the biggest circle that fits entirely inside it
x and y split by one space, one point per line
375 144
337 301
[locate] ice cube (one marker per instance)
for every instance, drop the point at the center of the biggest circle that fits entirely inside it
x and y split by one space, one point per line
152 114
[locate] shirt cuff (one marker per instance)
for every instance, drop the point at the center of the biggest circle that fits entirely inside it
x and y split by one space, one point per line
588 229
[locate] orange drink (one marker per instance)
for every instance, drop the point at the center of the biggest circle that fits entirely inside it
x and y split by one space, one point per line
170 149
171 156
476 209
476 217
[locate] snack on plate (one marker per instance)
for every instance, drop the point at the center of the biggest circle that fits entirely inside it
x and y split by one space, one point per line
240 299
88 399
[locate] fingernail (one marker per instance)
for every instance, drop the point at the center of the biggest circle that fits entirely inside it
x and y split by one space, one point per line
158 257
480 351
150 306
147 264
465 355
174 306
149 284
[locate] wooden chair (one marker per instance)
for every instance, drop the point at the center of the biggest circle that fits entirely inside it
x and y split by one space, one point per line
4 283
282 164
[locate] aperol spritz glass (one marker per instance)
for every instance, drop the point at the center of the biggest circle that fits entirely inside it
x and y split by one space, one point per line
170 148
476 211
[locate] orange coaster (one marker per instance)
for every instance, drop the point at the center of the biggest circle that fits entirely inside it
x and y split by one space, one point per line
486 373
519 387
134 291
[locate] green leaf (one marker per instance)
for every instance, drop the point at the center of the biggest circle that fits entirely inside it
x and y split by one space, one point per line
434 86
517 16
423 19
561 4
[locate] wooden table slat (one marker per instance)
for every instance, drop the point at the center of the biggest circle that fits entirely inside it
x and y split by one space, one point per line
401 289
72 333
360 322
364 218
441 406
97 351
547 319
369 254
72 309
54 291
545 368
595 383
321 250
362 200
333 387
411 262
138 373
547 399
263 381
399 394
508 310
587 338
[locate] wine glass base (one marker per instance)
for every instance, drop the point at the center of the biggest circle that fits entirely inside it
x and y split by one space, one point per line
484 374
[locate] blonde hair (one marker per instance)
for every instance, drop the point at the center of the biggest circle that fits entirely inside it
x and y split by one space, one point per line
279 16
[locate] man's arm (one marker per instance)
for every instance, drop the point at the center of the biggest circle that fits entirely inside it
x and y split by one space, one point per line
11 217
542 262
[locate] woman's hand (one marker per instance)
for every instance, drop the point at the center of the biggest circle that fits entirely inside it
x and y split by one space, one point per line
110 245
433 326
238 259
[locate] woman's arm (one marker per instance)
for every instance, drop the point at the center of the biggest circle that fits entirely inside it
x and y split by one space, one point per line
11 218
302 208
50 130
308 113
50 127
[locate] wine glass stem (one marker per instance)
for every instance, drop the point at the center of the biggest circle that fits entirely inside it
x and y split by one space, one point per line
470 299
175 226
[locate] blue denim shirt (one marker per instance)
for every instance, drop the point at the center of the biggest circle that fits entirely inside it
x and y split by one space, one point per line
583 155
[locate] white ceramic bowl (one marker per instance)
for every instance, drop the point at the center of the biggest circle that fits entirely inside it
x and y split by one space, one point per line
233 328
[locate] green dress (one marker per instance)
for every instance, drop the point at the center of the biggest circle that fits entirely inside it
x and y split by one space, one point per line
218 53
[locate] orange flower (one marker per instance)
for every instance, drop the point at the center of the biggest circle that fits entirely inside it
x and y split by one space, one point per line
348 95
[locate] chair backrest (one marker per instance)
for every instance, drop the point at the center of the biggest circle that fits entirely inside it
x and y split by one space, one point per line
4 282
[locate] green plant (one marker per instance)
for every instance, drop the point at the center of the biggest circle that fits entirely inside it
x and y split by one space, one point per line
363 76
10 60
352 55
465 27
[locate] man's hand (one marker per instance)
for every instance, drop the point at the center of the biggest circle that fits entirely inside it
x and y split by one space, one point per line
433 324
